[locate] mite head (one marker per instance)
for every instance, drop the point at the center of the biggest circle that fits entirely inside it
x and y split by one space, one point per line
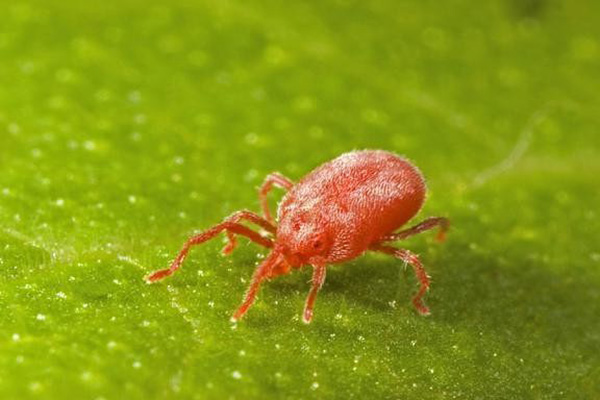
303 240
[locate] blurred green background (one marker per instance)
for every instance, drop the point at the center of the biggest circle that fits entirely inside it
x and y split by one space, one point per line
126 126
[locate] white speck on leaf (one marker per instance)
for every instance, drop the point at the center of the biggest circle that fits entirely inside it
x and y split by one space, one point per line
140 119
14 128
251 138
89 145
134 97
251 175
236 375
35 386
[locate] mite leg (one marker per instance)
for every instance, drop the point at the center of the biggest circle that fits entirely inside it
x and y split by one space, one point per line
248 216
317 282
420 272
429 223
227 225
272 179
262 272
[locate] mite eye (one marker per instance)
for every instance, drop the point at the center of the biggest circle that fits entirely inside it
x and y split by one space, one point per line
317 244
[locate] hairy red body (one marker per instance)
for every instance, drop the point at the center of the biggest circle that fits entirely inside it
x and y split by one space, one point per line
349 205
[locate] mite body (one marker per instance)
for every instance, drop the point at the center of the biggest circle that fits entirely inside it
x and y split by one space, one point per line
354 203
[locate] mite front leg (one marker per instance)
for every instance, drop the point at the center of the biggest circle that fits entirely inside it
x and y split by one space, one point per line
227 225
272 179
429 223
260 274
413 260
317 282
250 217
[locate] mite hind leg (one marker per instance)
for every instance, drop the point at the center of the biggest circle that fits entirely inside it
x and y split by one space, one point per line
429 223
413 260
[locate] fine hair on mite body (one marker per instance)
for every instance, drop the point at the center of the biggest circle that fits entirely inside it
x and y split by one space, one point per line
351 204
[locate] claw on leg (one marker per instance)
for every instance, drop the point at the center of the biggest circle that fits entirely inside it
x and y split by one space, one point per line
158 275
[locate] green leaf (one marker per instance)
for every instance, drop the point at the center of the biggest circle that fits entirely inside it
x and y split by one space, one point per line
127 126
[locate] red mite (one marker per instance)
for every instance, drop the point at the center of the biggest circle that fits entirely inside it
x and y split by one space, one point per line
351 204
